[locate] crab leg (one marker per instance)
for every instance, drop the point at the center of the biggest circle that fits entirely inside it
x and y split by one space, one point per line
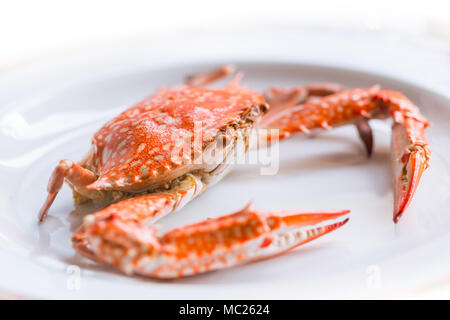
66 169
202 79
123 236
410 152
281 99
276 96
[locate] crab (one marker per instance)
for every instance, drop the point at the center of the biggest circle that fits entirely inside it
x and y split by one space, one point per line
145 164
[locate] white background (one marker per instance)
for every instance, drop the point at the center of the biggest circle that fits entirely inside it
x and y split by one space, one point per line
33 29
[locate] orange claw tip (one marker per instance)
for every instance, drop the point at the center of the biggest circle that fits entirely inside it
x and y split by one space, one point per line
306 227
407 182
300 219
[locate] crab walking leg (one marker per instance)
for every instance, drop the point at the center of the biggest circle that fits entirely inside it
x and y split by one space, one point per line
244 236
202 79
66 169
410 151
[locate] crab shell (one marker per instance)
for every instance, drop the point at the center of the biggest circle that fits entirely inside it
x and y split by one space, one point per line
135 150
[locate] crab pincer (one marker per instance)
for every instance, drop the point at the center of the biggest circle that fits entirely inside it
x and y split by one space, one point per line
410 150
216 243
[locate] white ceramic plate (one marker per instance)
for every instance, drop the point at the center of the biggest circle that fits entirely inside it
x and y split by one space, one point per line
50 110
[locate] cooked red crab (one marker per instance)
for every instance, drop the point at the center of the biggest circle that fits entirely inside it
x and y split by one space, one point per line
139 161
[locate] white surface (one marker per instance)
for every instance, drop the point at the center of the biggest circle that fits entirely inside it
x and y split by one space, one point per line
49 111
30 29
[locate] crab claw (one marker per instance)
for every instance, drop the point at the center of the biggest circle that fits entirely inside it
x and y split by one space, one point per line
245 236
292 229
408 163
410 150
240 237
